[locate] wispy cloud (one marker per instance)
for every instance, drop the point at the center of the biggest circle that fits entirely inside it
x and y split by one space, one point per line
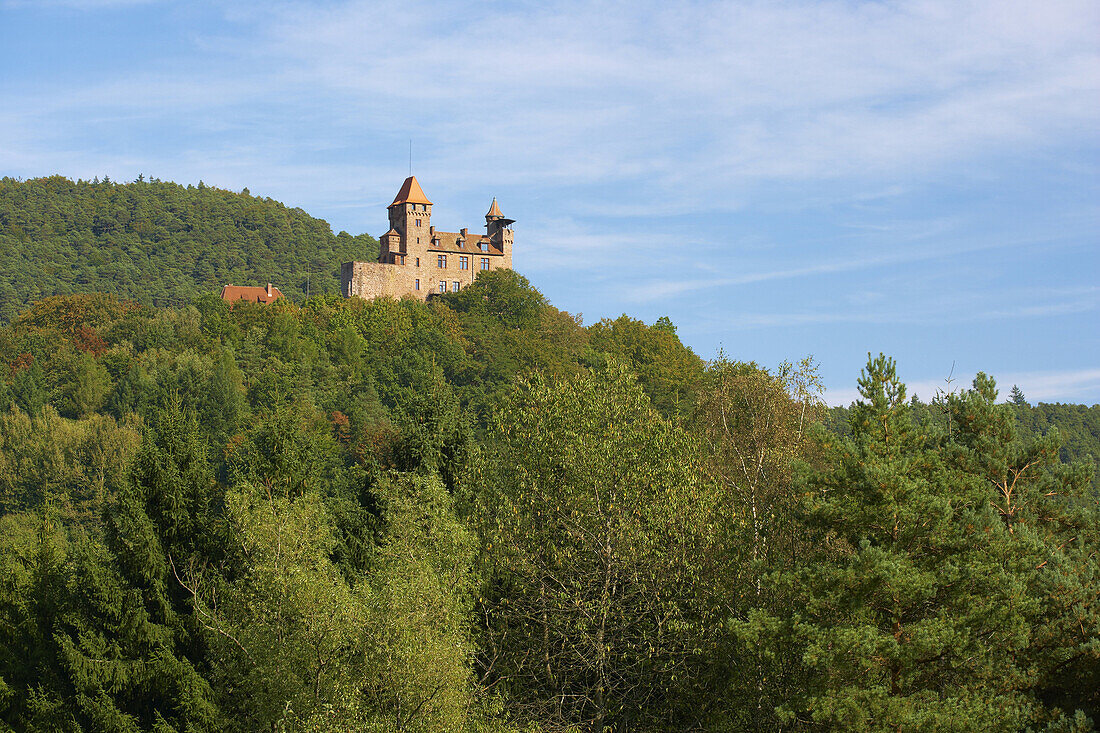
752 169
966 308
76 4
702 99
1050 386
866 260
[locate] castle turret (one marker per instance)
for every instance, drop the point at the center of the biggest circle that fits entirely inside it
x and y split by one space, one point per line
499 230
411 219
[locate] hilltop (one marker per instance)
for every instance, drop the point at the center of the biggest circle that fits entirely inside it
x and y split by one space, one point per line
158 243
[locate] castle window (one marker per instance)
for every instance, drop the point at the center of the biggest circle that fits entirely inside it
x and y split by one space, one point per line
454 286
464 263
416 286
418 262
442 286
418 224
484 263
443 261
461 243
484 246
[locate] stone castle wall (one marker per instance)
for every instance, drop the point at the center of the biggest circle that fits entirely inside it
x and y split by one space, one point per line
373 280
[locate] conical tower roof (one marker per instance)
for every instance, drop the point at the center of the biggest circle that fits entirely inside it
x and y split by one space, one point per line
494 211
410 193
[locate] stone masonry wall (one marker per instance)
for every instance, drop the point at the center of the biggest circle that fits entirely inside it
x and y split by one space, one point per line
377 279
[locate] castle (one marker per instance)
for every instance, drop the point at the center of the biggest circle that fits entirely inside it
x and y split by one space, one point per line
415 259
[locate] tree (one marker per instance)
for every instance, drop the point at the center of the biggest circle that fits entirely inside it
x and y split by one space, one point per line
105 633
915 621
754 427
298 647
29 389
419 602
593 515
1053 535
283 626
225 405
33 584
668 371
88 388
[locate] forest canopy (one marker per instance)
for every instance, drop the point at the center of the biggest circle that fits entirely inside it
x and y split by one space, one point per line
159 243
478 514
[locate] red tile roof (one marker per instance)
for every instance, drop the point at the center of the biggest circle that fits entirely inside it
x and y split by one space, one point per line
234 293
410 193
448 242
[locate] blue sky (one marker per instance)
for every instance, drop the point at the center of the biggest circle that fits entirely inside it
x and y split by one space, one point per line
779 178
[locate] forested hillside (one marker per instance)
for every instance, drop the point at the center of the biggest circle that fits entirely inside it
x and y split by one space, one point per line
158 243
476 514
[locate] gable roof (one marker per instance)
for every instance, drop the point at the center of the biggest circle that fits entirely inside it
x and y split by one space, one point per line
448 242
234 293
410 193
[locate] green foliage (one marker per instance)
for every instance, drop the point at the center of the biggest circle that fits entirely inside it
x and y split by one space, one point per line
295 646
1053 521
70 464
507 328
474 513
1078 426
590 512
754 426
669 372
105 641
158 243
283 629
920 610
419 601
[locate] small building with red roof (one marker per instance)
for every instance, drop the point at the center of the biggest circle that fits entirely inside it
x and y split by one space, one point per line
233 293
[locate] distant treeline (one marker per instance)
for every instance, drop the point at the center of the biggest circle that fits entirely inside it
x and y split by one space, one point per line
1078 426
476 514
158 243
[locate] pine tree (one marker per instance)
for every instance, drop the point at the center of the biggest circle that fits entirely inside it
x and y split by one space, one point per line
1052 541
34 588
130 649
915 620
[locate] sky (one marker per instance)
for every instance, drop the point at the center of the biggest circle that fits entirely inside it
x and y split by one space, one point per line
780 178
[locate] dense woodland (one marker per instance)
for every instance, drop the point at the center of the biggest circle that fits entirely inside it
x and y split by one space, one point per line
159 243
477 514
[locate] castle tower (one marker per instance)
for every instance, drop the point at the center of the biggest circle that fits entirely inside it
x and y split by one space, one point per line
410 226
499 230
